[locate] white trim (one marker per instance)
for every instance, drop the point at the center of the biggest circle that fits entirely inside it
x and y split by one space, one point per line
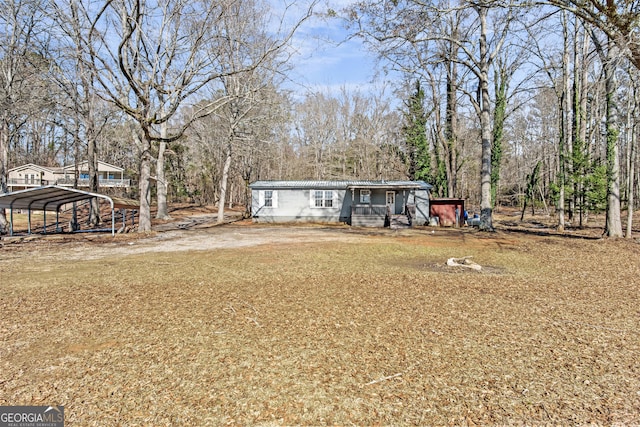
312 199
365 192
392 207
262 199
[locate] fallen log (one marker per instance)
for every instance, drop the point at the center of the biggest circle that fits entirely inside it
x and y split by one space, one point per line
464 262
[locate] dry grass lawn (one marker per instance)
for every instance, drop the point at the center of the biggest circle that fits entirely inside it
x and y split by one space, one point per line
354 327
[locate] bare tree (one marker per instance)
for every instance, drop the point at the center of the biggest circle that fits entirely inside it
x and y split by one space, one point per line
76 78
152 58
632 113
20 66
619 20
409 34
247 88
608 58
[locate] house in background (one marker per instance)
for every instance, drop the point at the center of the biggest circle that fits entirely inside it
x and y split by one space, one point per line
30 176
358 203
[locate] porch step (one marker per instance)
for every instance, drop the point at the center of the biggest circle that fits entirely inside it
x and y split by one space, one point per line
399 221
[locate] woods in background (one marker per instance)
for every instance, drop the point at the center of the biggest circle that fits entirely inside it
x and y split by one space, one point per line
498 103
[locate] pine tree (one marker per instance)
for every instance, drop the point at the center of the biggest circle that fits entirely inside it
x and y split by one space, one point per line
414 131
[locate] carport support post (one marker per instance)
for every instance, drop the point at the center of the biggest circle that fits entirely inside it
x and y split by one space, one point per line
57 219
44 226
11 221
29 222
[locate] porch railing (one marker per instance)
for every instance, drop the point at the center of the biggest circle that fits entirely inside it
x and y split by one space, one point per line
82 182
28 182
369 210
369 215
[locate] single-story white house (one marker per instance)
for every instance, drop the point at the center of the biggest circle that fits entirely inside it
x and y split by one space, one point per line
358 203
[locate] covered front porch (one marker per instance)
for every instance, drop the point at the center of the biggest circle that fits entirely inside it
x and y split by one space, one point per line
384 204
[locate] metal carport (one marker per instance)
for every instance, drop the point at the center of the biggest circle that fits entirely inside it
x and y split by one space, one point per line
48 198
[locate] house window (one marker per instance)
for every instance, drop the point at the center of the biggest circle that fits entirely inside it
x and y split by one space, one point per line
268 198
365 196
322 199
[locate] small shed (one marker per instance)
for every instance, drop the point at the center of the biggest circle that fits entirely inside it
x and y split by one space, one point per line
450 212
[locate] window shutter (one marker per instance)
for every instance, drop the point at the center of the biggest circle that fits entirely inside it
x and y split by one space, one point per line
261 198
274 198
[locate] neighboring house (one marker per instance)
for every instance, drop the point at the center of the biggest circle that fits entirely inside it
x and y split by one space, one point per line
30 176
358 203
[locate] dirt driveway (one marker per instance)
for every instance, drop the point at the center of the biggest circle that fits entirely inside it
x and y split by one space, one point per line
196 233
203 238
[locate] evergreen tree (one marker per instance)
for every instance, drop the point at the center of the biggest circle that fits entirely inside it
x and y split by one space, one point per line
439 178
595 187
414 131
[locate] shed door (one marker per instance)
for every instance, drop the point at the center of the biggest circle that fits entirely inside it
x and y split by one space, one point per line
391 202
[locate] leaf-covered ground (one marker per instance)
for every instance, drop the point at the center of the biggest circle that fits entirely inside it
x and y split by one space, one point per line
340 327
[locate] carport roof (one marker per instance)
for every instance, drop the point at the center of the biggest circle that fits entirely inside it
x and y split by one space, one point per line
47 198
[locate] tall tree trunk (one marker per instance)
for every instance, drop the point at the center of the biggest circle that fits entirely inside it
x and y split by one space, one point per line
499 113
162 186
144 185
614 222
632 140
92 163
563 124
486 211
579 151
224 181
632 163
87 105
4 169
451 125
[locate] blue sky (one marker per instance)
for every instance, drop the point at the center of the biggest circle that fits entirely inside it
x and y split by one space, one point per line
325 61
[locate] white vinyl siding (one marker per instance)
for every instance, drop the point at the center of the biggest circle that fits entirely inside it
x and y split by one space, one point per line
322 198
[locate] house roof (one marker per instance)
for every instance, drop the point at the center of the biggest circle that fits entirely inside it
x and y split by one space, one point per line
339 184
36 167
102 166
